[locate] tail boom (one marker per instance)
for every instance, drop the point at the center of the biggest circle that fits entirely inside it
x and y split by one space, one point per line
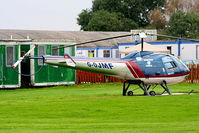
113 68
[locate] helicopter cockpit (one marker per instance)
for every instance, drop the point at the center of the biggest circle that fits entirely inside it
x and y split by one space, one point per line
157 63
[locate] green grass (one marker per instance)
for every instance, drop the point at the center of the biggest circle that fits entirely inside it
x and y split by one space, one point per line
97 108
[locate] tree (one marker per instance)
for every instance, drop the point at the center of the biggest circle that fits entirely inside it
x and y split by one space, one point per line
134 10
106 21
84 18
172 6
184 25
195 7
157 19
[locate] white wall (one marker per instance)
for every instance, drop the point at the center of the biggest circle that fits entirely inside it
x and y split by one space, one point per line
115 53
188 51
100 53
81 53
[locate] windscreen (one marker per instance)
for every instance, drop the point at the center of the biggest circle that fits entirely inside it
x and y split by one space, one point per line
174 65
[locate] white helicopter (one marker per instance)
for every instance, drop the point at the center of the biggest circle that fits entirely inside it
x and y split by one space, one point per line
145 68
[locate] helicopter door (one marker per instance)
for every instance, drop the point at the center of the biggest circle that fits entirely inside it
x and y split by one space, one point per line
153 68
25 67
1 67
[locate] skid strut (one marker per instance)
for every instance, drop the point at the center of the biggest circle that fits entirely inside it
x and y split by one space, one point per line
125 88
143 86
166 88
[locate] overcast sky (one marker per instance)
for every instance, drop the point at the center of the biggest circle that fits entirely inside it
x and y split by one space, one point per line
41 14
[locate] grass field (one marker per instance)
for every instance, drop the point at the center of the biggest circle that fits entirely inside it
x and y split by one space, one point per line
97 108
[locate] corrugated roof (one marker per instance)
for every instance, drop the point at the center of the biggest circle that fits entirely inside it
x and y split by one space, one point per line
74 36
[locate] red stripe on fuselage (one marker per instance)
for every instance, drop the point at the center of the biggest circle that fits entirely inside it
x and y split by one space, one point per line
137 69
168 76
131 69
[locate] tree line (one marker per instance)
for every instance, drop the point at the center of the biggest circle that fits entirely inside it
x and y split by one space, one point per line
175 17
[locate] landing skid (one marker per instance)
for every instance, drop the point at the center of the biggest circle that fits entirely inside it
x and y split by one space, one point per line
144 87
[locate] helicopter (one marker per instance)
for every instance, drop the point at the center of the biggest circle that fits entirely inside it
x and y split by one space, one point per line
145 68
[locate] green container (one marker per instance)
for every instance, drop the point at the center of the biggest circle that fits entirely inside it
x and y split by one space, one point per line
48 74
41 75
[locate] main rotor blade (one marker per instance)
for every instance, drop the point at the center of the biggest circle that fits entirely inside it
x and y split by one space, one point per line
121 36
93 41
174 37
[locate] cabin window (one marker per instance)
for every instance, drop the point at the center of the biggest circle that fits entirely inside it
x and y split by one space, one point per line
10 56
41 52
91 53
106 53
55 51
170 65
152 68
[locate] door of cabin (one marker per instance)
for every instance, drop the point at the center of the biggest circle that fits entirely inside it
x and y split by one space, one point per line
1 68
25 67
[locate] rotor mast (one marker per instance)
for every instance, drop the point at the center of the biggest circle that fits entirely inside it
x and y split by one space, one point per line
142 36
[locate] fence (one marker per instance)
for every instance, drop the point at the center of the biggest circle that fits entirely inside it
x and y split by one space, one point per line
88 77
194 74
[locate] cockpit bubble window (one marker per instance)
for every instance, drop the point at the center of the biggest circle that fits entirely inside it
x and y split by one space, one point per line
170 65
130 56
138 54
167 59
181 65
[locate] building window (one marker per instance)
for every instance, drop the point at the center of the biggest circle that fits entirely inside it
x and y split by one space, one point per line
10 56
55 51
106 53
91 53
41 52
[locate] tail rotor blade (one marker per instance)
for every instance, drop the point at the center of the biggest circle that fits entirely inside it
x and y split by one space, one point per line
20 60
